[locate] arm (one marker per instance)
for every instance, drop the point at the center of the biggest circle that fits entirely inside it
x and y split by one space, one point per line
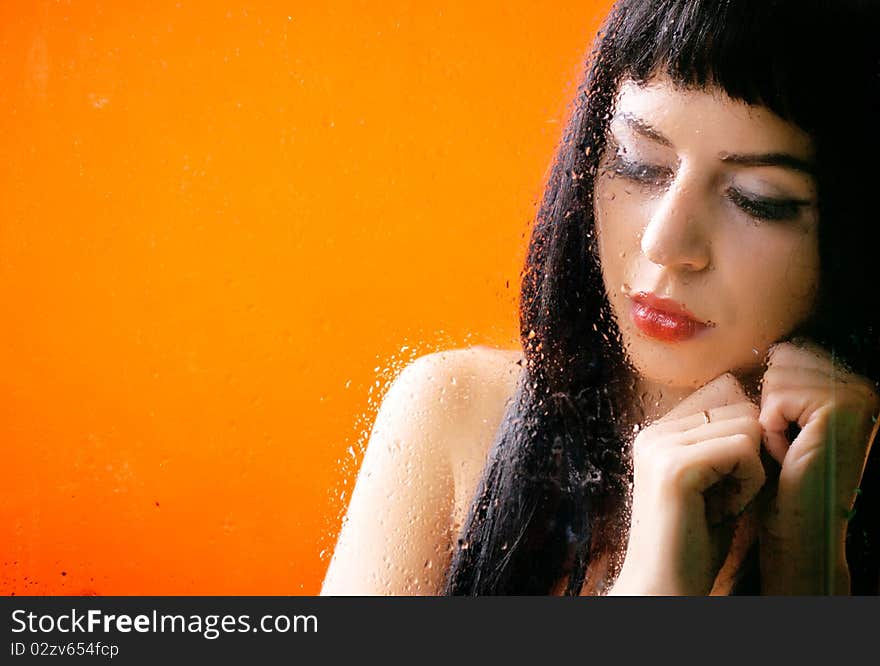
397 534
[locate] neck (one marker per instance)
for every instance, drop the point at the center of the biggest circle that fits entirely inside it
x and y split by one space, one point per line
658 399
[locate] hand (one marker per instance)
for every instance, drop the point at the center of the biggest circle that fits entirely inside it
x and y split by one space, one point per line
691 479
803 526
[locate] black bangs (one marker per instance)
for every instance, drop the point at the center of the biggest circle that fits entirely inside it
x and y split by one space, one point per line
780 54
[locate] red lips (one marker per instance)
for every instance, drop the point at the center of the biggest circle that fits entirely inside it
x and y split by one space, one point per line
664 319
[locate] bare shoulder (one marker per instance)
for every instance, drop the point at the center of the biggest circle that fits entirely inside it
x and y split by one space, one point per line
465 393
469 361
426 448
445 391
477 364
480 382
467 386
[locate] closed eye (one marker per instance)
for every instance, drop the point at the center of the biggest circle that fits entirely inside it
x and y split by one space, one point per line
766 208
645 174
760 208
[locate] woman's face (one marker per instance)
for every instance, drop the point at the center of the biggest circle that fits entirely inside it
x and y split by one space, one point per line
707 230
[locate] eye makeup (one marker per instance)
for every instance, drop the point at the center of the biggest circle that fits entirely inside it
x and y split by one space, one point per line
643 173
766 208
760 208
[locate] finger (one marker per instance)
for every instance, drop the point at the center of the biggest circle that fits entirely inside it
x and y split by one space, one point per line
789 405
823 379
781 407
777 446
723 390
698 419
798 375
799 352
809 442
746 425
735 457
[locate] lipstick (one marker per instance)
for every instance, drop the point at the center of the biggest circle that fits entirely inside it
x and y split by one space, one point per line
664 319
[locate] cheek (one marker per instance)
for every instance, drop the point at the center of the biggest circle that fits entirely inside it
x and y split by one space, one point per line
618 225
776 282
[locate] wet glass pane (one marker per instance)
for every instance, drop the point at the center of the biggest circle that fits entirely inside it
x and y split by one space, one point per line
225 229
692 402
420 299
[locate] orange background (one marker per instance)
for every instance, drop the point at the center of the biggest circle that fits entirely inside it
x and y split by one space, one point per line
224 227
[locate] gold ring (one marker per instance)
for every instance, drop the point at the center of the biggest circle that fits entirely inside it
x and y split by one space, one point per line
706 416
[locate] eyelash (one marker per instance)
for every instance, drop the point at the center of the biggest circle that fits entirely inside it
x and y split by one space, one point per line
760 208
645 174
772 210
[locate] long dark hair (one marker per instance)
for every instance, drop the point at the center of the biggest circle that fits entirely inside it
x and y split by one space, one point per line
558 476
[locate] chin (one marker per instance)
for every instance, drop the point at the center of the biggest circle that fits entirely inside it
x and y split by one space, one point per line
677 376
684 367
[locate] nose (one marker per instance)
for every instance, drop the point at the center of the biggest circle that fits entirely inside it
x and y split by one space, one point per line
677 235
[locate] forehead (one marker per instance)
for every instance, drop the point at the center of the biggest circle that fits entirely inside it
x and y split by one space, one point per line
706 118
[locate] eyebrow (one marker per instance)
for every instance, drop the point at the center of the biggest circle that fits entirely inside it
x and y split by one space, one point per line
785 160
645 129
770 159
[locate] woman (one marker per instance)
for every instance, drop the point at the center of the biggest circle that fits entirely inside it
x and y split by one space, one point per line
696 398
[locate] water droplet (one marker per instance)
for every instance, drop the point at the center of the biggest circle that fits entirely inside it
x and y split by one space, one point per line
755 351
453 382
